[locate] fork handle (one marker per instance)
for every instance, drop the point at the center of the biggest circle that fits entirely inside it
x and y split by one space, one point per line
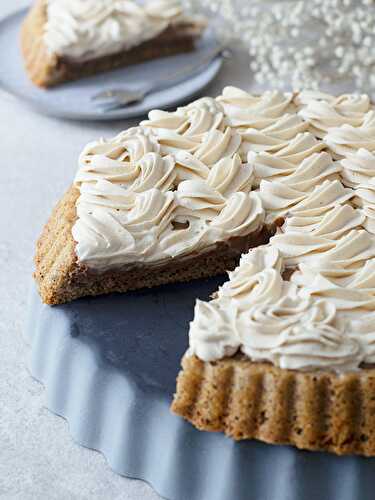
164 83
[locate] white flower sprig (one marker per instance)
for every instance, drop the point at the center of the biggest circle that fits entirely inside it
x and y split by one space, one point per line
302 44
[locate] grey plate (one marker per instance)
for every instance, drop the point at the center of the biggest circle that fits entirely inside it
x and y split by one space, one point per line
109 366
72 100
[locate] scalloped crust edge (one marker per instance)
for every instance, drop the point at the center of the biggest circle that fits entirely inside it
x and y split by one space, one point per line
252 400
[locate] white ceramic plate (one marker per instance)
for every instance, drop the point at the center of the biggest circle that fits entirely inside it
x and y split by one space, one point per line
72 100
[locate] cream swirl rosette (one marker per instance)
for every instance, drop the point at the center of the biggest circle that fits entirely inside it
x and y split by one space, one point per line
346 140
297 184
348 256
259 259
322 111
206 217
116 159
344 275
199 198
261 325
212 146
191 121
151 171
273 138
358 168
279 199
316 345
213 333
242 214
115 226
334 224
188 167
217 145
257 112
343 297
302 175
257 279
299 334
351 249
200 129
230 175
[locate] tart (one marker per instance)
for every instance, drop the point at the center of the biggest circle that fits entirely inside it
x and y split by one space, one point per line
285 350
63 40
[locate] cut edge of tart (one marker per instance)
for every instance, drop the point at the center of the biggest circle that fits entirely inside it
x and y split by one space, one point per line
61 277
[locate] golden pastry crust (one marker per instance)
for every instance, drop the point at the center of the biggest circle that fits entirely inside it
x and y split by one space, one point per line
310 410
41 67
61 278
47 70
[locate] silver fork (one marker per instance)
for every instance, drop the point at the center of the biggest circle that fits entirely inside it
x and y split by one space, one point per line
111 99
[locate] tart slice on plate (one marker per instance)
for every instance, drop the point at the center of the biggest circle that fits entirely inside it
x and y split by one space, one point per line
65 40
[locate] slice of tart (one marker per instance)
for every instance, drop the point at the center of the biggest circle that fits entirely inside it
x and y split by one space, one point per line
64 40
285 351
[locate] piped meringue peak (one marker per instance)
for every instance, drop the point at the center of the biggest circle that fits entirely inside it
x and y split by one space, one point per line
183 181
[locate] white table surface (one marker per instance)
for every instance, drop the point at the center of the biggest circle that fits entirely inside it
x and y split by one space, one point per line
38 459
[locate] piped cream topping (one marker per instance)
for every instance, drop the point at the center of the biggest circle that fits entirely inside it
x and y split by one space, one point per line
174 185
87 29
319 179
183 181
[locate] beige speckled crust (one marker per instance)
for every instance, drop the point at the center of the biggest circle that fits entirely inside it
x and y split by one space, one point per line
311 410
48 70
42 67
61 278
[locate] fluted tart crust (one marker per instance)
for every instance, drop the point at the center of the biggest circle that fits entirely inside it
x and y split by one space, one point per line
252 400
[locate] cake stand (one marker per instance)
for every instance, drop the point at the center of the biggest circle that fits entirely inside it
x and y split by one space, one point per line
109 366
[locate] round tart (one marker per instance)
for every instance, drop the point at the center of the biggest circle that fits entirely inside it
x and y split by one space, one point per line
284 351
